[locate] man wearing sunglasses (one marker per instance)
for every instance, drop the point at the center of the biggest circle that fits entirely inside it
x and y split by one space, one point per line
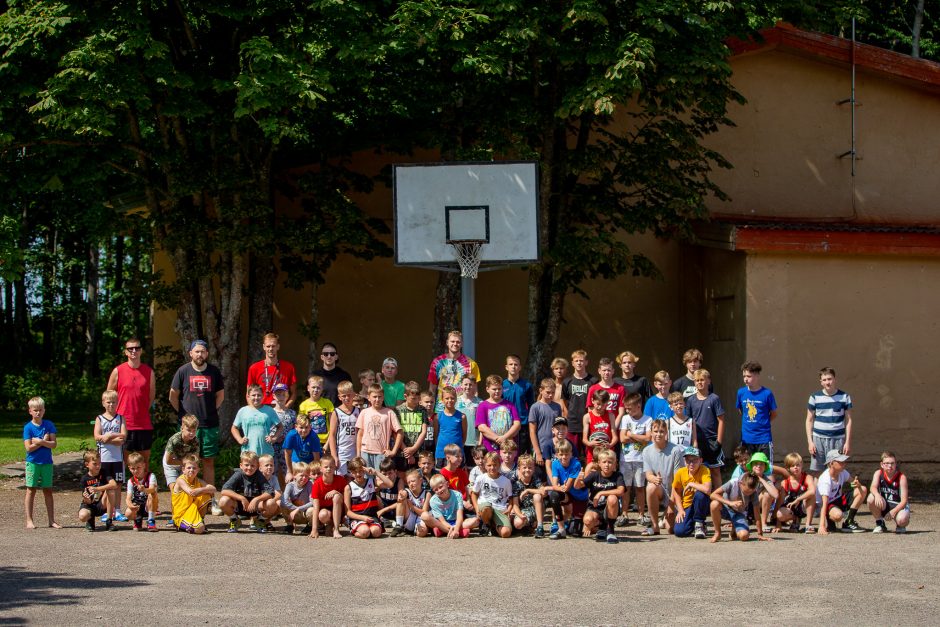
332 374
136 388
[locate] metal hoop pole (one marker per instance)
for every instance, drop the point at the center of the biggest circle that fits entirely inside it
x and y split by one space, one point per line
468 315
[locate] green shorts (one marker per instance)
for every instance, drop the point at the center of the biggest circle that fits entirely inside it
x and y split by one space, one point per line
38 475
500 518
208 441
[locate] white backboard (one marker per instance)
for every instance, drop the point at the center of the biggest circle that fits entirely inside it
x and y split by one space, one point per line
422 193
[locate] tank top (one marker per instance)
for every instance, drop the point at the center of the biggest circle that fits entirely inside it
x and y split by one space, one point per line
598 424
133 388
362 498
792 493
346 434
110 452
680 434
890 489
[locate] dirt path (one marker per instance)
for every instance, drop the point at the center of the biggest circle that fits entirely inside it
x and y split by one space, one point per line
72 577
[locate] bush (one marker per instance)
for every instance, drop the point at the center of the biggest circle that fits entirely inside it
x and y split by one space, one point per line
19 387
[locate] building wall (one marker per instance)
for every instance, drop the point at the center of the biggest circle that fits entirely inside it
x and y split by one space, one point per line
790 132
874 320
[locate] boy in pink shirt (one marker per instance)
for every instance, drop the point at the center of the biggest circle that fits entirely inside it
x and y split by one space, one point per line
374 429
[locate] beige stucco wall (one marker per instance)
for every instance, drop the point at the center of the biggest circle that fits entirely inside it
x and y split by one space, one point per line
872 319
790 132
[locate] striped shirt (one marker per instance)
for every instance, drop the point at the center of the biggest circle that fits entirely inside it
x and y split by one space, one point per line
829 421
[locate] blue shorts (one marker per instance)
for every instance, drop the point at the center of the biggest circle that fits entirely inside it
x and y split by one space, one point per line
738 519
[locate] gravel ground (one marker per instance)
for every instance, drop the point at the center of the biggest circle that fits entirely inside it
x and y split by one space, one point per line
69 576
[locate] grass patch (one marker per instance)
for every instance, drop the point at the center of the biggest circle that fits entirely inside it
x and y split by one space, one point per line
74 433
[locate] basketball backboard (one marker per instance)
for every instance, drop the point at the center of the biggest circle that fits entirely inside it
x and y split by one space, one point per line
438 204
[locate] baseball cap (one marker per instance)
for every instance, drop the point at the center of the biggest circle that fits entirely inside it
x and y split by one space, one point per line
281 387
835 456
691 451
759 457
560 420
199 343
390 361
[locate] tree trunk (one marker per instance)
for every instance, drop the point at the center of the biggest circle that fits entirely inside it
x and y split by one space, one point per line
915 31
91 312
117 288
446 303
260 304
225 331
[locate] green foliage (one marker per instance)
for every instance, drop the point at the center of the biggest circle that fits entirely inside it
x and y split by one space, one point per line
56 390
73 431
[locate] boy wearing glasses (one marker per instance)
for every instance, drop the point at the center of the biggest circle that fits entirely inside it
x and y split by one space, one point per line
887 498
136 388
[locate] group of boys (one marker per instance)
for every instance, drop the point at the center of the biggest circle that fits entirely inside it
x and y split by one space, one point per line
389 457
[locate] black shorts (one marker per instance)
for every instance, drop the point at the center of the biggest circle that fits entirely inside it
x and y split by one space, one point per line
139 440
96 508
601 509
113 469
712 454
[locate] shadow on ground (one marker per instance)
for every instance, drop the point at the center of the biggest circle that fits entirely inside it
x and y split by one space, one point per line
23 588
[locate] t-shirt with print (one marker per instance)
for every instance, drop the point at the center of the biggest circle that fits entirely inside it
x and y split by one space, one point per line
575 393
615 400
318 411
457 480
498 417
596 483
377 427
683 479
89 482
446 509
518 487
496 492
248 486
197 390
110 426
633 451
755 408
468 407
445 372
411 421
346 434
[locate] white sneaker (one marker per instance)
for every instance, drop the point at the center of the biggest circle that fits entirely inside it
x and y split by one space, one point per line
216 510
699 531
645 521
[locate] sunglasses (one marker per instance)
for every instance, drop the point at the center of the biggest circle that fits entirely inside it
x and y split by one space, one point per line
132 349
328 354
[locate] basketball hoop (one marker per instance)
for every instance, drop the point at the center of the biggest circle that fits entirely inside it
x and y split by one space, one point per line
468 257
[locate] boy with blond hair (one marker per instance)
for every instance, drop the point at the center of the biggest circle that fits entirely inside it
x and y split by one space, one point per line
39 438
575 394
657 407
327 494
828 421
110 435
528 507
797 496
375 428
835 503
705 410
565 499
467 404
341 442
366 380
541 419
559 368
446 516
318 409
634 436
190 497
604 484
496 419
181 444
632 382
491 496
887 498
296 504
518 391
682 431
256 425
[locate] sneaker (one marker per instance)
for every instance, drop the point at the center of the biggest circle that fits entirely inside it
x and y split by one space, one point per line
307 530
170 524
233 525
398 530
138 524
109 525
118 516
104 518
901 530
89 526
554 528
795 526
485 531
263 528
622 521
699 531
645 521
601 535
289 529
612 539
539 532
851 527
151 525
880 527
558 535
215 509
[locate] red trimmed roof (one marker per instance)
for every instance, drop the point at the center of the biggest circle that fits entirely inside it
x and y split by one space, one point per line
762 239
919 72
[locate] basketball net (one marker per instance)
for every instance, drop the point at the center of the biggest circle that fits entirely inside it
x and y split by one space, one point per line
468 257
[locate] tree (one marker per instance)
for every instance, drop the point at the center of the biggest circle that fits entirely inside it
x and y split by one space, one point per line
195 104
613 99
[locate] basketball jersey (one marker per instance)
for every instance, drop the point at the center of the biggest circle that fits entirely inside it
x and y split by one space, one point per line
136 488
680 434
417 501
599 424
110 452
791 493
362 498
890 489
346 434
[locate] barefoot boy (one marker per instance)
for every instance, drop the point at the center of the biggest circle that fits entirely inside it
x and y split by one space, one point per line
39 438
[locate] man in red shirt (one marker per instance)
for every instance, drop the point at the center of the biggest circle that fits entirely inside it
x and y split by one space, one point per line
136 388
271 371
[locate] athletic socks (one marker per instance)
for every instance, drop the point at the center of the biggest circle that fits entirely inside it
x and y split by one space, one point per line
850 518
400 521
